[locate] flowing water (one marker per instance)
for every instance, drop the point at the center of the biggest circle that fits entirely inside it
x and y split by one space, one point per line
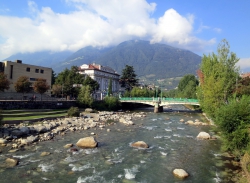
172 145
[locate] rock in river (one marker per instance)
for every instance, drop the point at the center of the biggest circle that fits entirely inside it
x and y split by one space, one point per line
140 144
180 173
87 142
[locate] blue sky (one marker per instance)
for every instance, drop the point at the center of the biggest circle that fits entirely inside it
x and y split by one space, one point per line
57 25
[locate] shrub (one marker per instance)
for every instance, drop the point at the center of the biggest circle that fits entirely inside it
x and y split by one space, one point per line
112 103
73 112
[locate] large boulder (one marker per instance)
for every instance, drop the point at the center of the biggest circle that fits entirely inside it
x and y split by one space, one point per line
25 130
29 140
87 142
40 128
3 141
140 144
17 133
180 173
11 162
203 135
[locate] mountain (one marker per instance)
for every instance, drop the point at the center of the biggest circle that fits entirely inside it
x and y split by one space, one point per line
42 58
159 60
151 62
85 55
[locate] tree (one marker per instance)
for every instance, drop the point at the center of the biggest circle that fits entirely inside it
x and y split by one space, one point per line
41 86
219 73
23 85
128 78
233 120
187 86
57 89
4 82
112 103
68 78
110 88
93 84
53 77
84 98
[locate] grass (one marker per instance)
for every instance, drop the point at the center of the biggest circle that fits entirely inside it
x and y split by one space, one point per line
17 115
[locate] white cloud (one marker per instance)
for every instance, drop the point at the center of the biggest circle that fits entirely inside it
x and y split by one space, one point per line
97 23
244 64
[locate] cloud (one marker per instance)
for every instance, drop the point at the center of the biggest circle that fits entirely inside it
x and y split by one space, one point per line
96 23
244 64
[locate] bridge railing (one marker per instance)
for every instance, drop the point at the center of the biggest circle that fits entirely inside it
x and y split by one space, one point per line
181 100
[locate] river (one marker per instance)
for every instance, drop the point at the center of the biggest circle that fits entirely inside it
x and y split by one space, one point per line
173 144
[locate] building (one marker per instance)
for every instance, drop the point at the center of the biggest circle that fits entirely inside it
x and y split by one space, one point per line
14 70
102 75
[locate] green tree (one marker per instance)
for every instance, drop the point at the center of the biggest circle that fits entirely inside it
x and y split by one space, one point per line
112 103
53 77
218 74
93 84
23 85
84 98
56 89
233 120
110 88
128 78
41 86
187 86
68 78
4 82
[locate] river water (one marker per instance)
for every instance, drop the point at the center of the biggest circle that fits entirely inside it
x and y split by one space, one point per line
172 145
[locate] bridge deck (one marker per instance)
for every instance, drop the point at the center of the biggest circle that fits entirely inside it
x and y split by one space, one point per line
162 101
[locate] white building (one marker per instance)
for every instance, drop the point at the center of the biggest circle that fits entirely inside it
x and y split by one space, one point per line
102 75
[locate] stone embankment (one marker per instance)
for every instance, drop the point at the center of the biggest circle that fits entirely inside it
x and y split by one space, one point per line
17 136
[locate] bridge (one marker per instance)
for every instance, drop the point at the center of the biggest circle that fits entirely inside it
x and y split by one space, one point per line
158 103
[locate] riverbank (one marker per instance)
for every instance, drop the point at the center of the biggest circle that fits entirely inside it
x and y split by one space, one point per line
96 125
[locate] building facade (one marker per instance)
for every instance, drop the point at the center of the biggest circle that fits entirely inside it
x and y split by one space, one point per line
14 70
102 75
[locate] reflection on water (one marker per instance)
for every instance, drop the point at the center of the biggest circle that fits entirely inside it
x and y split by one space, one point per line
172 145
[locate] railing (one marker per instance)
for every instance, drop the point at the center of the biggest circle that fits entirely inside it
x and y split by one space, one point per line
151 99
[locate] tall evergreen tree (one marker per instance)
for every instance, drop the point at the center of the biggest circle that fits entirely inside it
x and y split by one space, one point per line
128 78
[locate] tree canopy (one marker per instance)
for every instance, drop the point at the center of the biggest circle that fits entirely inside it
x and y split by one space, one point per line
4 82
218 74
71 79
187 86
41 86
128 78
23 85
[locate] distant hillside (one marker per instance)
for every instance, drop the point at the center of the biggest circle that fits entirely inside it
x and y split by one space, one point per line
157 60
150 61
43 58
85 55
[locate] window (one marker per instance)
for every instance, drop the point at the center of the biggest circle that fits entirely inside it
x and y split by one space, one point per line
42 71
37 70
11 71
28 69
32 79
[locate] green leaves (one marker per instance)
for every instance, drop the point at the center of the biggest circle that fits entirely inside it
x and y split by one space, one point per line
84 98
128 78
187 87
